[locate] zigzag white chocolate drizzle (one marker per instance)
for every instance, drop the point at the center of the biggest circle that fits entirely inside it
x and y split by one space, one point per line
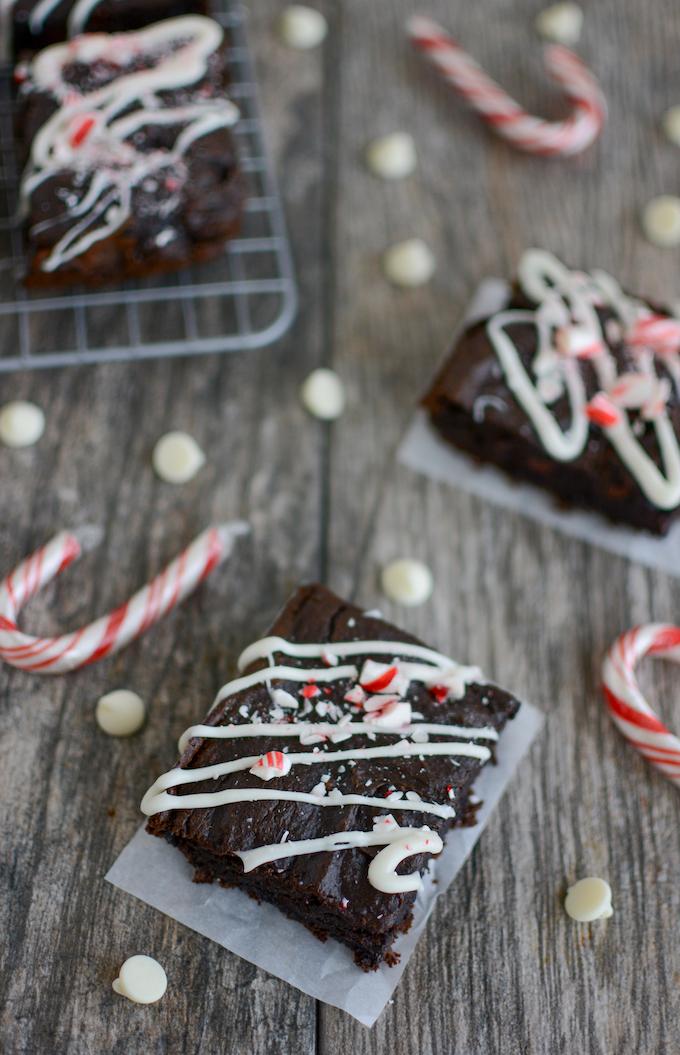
88 135
385 713
569 330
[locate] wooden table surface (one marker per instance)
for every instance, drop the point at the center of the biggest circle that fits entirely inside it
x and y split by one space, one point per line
501 969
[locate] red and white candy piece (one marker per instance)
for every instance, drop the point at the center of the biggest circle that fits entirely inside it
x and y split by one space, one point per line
388 711
356 695
273 764
105 636
660 333
383 677
578 342
505 116
628 708
602 411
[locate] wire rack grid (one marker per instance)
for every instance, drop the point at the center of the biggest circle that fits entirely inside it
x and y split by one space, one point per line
246 299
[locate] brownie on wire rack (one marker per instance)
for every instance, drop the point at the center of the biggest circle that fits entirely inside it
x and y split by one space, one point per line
29 25
130 162
328 774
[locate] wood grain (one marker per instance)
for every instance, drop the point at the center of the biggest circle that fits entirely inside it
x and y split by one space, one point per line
501 969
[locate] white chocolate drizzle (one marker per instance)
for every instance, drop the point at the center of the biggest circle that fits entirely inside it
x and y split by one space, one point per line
406 663
88 136
399 844
568 329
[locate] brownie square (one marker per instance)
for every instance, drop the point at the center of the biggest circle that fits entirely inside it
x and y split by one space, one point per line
573 385
131 165
346 734
29 25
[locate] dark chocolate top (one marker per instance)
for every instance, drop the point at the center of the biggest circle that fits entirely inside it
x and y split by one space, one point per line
474 382
315 615
116 164
103 16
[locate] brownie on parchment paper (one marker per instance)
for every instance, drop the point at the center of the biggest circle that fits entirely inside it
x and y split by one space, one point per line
325 669
572 385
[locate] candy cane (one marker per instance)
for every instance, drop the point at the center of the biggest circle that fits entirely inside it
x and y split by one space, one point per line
627 706
56 655
498 109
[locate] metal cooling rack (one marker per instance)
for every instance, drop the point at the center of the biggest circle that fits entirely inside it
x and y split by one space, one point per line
245 299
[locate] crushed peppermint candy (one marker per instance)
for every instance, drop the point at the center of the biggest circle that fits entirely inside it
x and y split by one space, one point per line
273 764
310 691
578 342
386 821
643 391
376 703
395 712
329 658
308 736
81 130
284 699
319 790
602 411
383 677
355 695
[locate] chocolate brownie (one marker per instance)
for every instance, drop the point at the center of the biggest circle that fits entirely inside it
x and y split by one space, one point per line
573 385
131 166
29 25
339 760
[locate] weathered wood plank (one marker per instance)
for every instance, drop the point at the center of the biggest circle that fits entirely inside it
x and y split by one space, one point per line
71 794
502 967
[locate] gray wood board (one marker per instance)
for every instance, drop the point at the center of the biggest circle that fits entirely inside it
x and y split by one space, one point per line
502 969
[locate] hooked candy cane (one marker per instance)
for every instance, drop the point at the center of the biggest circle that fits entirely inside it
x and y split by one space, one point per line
526 132
103 637
629 709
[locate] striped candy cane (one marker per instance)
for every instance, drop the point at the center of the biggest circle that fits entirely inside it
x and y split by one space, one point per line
627 706
500 111
56 655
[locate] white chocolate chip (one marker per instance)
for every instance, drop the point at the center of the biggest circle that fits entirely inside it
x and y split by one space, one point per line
323 394
302 27
21 424
661 221
561 23
589 899
177 458
671 124
120 713
392 156
142 980
409 263
407 581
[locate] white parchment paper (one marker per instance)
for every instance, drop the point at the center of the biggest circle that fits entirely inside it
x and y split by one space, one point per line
425 451
158 874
